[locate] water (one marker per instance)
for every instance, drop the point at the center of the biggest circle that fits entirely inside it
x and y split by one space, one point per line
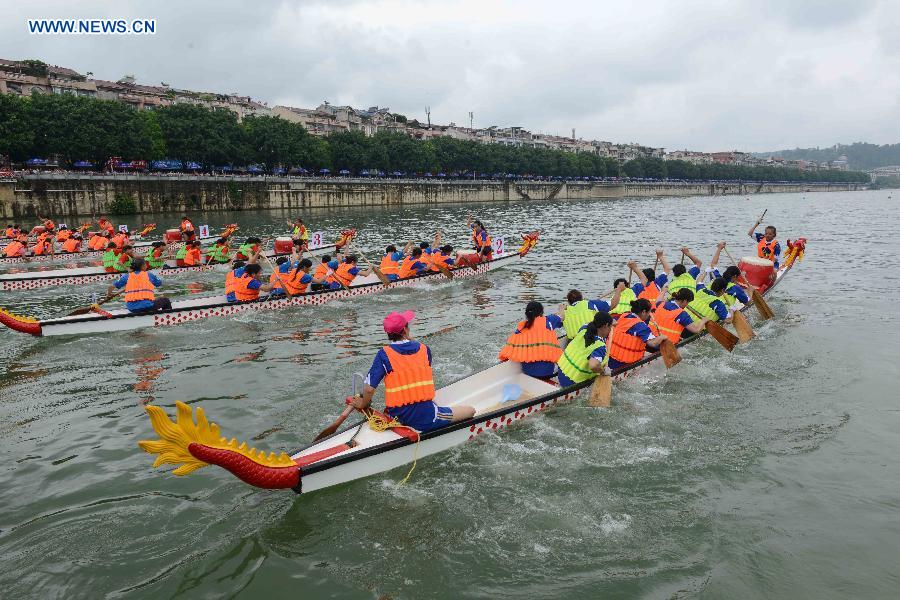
770 472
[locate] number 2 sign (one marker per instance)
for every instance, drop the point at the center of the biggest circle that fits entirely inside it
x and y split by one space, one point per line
498 245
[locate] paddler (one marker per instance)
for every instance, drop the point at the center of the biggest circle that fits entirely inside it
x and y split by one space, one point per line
98 241
651 283
628 294
405 367
586 355
578 312
296 280
481 240
440 257
155 257
248 248
139 285
111 257
120 239
187 229
63 234
43 245
106 225
684 277
11 231
247 286
390 262
766 245
189 255
218 254
72 244
124 259
632 336
733 292
49 225
15 248
412 265
346 272
671 319
323 270
709 303
534 343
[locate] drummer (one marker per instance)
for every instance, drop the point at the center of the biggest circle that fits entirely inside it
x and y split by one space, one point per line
405 367
299 233
766 245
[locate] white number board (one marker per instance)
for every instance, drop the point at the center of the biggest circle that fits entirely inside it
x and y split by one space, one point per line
498 245
316 240
204 231
123 228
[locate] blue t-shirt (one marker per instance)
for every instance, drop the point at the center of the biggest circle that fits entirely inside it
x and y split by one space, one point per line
381 366
140 304
640 330
598 305
482 237
735 290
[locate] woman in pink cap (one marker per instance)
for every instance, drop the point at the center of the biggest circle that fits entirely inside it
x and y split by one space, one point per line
405 367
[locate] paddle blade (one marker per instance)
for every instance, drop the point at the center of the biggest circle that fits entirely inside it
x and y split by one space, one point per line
601 392
81 311
381 276
445 271
765 311
727 339
742 327
670 354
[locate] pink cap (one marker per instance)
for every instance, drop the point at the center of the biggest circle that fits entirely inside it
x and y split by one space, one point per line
396 321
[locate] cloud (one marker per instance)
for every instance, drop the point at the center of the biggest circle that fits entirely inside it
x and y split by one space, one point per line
748 74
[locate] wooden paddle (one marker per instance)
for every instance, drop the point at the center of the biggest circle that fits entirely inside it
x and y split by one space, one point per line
86 309
337 422
765 311
742 327
670 354
277 275
601 391
378 272
727 339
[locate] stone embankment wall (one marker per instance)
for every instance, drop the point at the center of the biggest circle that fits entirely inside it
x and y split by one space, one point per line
61 195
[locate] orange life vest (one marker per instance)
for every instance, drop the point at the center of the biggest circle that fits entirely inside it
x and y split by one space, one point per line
666 324
192 257
651 293
42 246
535 344
63 235
410 379
389 266
766 249
139 287
406 267
624 347
321 271
229 282
440 259
187 226
476 241
289 281
49 225
120 239
14 248
105 225
97 242
10 232
71 245
241 289
342 274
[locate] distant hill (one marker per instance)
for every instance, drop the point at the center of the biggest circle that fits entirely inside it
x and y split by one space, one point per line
860 156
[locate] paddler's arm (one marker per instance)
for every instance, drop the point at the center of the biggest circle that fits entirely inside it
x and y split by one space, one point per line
662 260
636 269
363 400
617 295
753 229
687 252
663 292
715 258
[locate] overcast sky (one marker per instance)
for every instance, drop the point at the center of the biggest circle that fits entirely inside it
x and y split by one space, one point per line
740 74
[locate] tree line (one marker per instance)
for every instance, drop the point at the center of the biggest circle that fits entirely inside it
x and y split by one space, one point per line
75 128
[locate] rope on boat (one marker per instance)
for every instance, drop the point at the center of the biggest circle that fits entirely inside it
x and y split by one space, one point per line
378 424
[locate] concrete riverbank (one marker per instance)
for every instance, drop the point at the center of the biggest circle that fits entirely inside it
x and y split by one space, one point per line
66 195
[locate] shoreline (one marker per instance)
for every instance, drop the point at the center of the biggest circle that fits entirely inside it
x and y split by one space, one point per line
74 195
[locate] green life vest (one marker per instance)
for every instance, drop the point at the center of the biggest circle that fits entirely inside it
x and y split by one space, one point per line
575 316
685 280
625 299
727 298
155 263
109 259
297 234
182 252
574 360
122 268
246 250
702 304
217 254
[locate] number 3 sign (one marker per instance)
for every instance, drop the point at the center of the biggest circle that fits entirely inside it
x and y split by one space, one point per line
315 240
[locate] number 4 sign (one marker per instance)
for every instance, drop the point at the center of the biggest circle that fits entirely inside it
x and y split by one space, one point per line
498 245
204 231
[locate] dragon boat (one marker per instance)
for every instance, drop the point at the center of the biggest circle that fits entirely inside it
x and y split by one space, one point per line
138 245
375 445
76 276
192 309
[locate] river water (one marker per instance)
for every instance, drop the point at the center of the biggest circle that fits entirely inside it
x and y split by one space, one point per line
770 472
